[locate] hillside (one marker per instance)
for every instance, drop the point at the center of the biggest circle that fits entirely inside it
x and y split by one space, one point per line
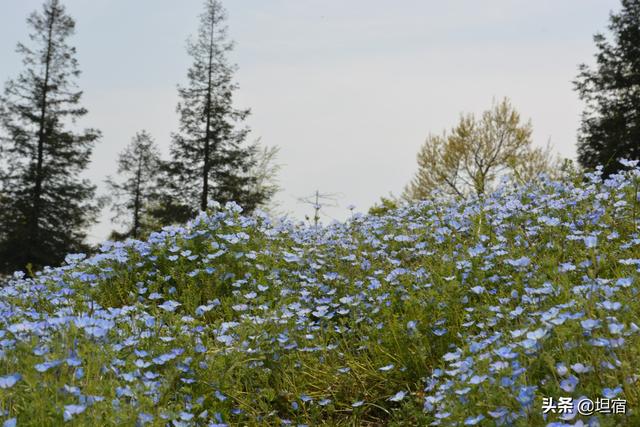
450 313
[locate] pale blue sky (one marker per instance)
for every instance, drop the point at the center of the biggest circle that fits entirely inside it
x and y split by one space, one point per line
347 88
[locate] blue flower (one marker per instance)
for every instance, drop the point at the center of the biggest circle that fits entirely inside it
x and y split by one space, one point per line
590 324
520 262
71 410
9 381
144 418
45 366
471 421
505 353
398 396
611 393
569 384
537 334
579 368
169 305
590 241
611 306
624 282
526 395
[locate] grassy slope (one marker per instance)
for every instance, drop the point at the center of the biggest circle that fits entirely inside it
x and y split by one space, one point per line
437 312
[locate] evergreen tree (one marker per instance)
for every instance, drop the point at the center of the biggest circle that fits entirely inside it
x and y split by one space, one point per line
133 196
610 127
210 159
46 205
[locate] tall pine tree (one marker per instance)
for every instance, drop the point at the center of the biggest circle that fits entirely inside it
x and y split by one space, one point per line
610 127
46 205
211 160
134 193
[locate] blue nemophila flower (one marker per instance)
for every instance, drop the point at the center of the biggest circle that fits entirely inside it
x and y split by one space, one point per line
590 241
624 282
526 395
71 410
144 418
520 262
186 416
169 305
45 366
499 412
442 414
305 398
611 393
221 397
616 328
610 305
590 324
569 384
398 396
471 421
478 289
324 402
505 353
580 368
386 368
225 339
566 266
9 381
628 163
477 379
537 334
357 404
561 369
73 361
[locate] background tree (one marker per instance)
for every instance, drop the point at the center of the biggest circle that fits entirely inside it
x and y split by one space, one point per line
384 206
265 171
610 127
134 194
210 159
46 206
476 153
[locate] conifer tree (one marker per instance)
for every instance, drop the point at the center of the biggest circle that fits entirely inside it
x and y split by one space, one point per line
210 160
610 128
133 195
46 205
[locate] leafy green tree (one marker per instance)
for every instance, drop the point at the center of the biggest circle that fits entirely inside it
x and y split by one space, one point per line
476 153
610 128
210 160
133 195
46 205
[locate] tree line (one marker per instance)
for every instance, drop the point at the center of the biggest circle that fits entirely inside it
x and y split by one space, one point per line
46 206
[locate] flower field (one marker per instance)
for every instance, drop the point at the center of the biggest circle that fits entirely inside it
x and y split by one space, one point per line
443 313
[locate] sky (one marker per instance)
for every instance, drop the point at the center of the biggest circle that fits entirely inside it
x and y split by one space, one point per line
348 90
